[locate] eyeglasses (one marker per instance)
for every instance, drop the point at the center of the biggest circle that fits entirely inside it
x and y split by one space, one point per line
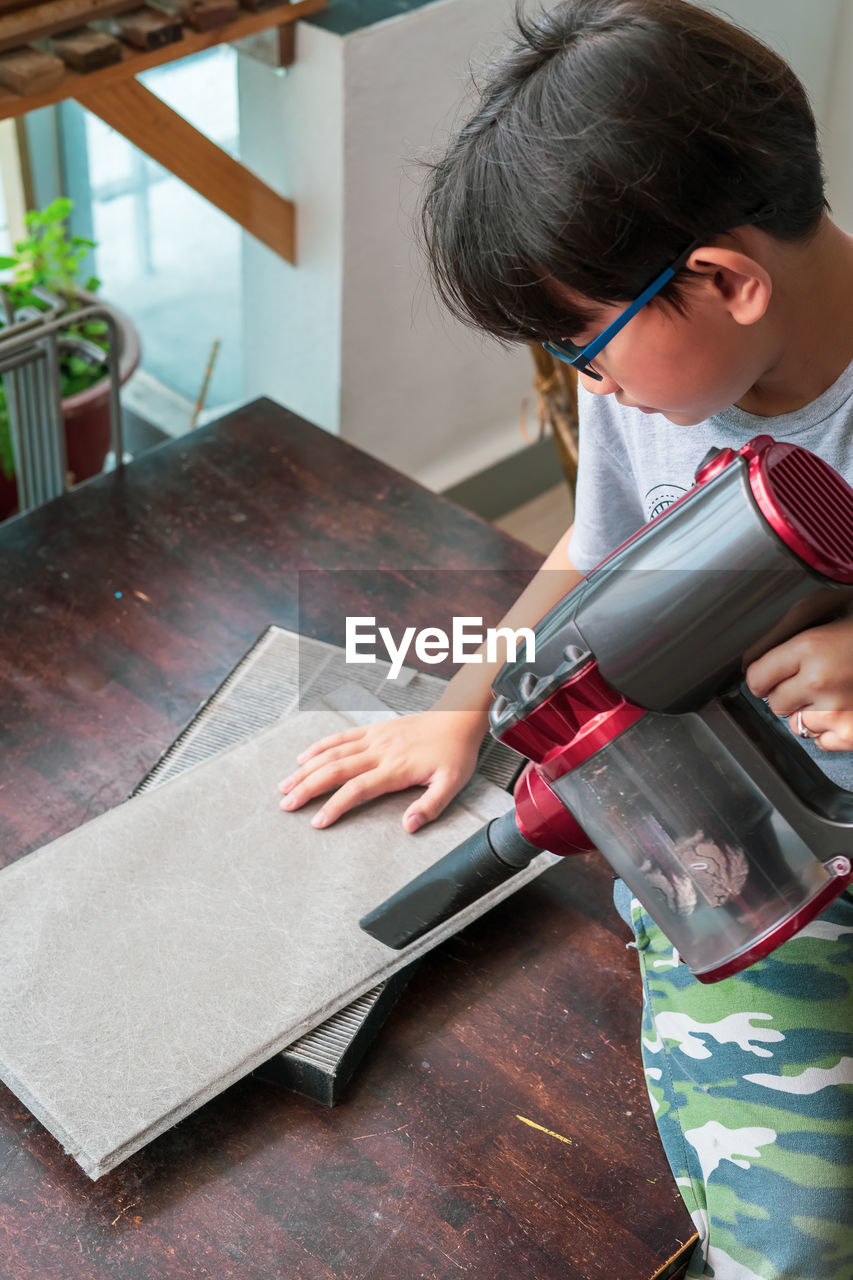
580 357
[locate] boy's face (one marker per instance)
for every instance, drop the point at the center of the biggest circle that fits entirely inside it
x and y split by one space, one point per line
686 367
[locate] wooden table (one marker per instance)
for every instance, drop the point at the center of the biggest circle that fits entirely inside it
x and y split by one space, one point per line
500 1125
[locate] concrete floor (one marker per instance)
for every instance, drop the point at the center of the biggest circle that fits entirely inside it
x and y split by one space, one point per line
542 521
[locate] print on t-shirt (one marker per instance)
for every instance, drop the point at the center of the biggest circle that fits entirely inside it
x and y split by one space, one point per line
660 497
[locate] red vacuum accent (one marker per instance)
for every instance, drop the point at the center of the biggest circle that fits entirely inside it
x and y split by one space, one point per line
715 466
543 819
809 507
797 920
582 716
805 502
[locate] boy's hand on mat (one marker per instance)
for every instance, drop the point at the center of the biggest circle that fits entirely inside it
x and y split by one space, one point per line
809 678
436 750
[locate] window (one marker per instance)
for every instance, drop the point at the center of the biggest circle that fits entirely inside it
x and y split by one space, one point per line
165 257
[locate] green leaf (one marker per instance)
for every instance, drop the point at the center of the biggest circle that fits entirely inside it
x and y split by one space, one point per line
59 209
95 329
50 257
73 382
7 457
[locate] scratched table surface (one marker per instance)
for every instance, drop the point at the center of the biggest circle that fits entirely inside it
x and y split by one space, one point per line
499 1124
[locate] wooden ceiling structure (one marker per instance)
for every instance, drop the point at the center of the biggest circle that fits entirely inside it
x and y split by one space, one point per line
43 46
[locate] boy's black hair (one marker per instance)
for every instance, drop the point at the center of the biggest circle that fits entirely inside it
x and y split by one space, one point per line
611 135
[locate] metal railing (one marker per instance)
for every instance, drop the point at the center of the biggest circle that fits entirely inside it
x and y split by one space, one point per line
31 343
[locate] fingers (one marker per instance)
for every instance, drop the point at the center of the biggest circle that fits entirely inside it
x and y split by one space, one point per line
441 790
333 740
827 730
314 763
814 666
322 775
799 728
786 699
787 678
358 790
437 751
765 676
830 741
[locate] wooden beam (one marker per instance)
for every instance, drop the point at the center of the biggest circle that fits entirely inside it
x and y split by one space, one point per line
203 15
28 70
86 49
147 28
134 61
47 19
147 122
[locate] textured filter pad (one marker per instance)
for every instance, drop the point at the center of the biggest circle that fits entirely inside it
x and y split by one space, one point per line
281 671
285 672
320 1064
164 950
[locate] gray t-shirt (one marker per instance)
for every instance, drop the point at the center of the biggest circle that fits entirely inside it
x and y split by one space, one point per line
632 466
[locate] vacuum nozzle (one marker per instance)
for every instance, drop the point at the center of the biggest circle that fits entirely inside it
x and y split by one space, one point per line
486 859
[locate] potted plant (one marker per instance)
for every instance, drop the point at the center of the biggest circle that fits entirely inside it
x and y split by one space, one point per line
50 258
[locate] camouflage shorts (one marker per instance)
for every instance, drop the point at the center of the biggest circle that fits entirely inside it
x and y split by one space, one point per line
751 1083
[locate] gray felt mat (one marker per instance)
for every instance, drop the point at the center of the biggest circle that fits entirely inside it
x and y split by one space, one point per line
284 672
169 947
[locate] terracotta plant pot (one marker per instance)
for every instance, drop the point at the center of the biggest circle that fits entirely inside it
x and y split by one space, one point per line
87 416
8 496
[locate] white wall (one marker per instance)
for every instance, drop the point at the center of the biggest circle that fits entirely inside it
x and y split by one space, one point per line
291 135
817 40
804 34
838 120
350 338
423 391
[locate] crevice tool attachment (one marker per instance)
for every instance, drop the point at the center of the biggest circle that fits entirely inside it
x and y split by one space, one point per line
486 859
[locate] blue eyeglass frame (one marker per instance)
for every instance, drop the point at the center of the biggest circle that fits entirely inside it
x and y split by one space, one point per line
580 357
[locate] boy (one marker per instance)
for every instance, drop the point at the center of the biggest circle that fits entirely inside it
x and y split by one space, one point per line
618 139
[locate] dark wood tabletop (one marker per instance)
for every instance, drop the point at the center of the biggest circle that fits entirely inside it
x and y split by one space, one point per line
500 1124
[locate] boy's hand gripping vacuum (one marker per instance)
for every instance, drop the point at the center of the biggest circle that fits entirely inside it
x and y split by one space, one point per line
642 740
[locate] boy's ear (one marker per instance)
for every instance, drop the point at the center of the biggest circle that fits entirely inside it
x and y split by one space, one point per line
737 282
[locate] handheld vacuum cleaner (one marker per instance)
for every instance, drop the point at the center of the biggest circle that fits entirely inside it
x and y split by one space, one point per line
642 740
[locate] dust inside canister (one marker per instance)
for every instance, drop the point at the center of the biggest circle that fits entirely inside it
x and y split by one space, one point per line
717 872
